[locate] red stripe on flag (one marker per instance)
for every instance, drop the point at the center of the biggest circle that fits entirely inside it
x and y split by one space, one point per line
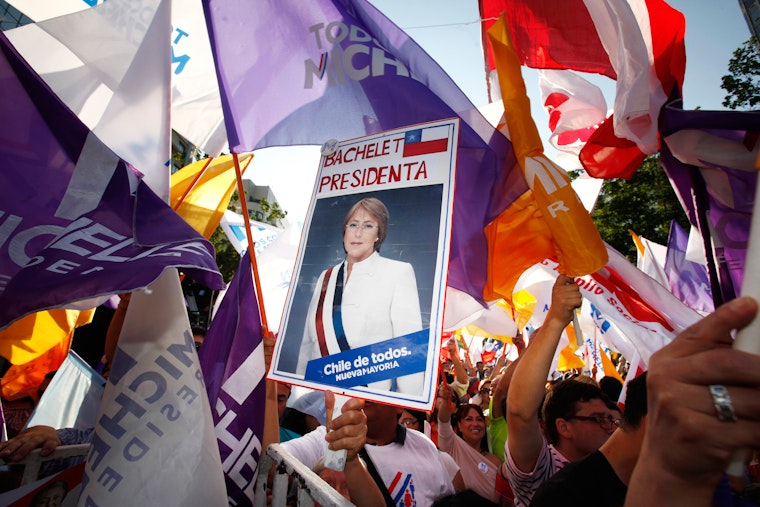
425 147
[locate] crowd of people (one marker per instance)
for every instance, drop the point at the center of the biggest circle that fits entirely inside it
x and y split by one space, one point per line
503 434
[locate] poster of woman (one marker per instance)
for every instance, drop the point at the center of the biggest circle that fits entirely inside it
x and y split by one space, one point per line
364 314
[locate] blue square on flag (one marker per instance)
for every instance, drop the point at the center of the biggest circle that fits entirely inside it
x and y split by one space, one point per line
426 140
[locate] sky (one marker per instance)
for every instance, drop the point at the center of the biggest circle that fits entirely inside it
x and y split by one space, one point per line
449 31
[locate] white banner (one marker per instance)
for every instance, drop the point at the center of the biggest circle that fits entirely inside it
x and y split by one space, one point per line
154 442
72 398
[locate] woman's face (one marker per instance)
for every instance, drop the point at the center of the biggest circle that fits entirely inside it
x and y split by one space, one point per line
360 235
472 427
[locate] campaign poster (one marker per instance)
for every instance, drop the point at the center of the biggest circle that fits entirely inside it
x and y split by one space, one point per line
364 313
59 490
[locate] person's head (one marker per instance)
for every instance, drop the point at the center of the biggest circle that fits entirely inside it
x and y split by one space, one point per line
365 228
199 334
576 415
283 393
382 421
464 498
485 388
470 424
412 419
611 386
334 478
51 495
635 402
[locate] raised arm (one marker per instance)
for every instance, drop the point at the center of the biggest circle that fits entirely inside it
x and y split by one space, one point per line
502 386
460 373
526 390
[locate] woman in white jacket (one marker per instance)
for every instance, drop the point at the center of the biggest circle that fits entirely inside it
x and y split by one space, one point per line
365 299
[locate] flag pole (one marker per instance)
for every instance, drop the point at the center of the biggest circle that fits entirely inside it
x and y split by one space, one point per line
252 254
192 185
747 338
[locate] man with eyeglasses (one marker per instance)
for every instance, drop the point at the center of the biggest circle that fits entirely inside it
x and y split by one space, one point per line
576 418
601 479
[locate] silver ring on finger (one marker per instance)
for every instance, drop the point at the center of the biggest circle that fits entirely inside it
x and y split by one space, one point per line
722 402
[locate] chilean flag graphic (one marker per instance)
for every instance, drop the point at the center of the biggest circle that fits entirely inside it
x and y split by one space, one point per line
426 140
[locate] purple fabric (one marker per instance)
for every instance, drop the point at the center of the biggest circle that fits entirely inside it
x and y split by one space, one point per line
688 280
729 216
46 260
234 342
285 82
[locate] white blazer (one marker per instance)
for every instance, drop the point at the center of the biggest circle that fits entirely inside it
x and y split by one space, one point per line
380 301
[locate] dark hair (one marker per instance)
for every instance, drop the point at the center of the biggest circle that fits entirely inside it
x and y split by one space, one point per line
461 413
635 401
379 212
466 498
294 420
611 386
561 402
419 415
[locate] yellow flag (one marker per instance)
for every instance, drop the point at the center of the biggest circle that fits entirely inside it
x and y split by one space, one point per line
525 305
201 191
36 345
30 337
578 247
609 368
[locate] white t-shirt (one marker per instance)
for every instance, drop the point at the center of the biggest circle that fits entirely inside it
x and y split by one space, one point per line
411 467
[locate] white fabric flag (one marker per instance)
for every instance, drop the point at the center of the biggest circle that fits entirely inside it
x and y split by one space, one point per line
652 261
635 312
154 442
263 234
276 264
110 65
576 107
624 30
196 107
72 398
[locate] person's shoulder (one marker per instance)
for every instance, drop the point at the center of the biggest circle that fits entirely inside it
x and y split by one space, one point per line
419 440
393 265
316 436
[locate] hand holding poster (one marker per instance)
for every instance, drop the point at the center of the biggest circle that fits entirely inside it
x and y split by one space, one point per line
357 321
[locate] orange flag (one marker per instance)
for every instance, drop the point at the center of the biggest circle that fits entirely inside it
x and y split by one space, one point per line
548 222
201 191
32 336
23 378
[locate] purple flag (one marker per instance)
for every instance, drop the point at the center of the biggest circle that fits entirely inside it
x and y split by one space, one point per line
232 362
688 280
75 221
710 159
293 72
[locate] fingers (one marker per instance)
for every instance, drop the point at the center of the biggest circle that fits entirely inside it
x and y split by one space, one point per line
351 414
566 297
21 445
714 330
349 430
